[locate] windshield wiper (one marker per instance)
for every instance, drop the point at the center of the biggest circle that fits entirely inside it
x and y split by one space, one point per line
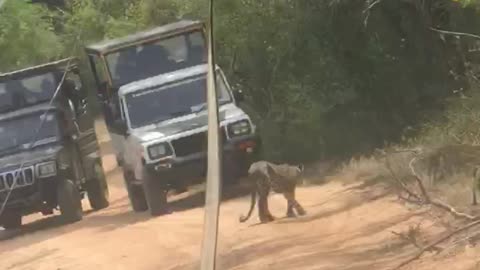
199 108
180 113
203 106
41 142
159 119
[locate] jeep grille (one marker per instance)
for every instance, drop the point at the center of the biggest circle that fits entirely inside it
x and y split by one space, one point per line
196 143
26 177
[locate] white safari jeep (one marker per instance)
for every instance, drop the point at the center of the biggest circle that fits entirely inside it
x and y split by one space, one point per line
164 128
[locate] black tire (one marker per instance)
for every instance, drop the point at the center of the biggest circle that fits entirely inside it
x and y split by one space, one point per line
69 201
135 193
97 189
155 194
12 221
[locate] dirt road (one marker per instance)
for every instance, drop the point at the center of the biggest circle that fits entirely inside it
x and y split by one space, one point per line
347 227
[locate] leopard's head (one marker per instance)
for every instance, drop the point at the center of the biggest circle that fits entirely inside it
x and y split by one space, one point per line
299 169
298 173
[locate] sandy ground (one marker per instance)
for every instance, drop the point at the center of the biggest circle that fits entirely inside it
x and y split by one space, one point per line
347 227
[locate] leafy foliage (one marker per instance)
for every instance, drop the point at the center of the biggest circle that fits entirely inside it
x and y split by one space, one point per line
30 40
321 77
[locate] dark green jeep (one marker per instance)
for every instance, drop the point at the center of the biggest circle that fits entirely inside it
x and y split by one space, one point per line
48 149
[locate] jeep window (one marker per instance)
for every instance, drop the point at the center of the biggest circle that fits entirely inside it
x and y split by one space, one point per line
99 70
18 133
151 59
156 105
22 92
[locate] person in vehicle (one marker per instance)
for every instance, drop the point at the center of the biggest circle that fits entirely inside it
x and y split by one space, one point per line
127 65
17 93
196 55
153 60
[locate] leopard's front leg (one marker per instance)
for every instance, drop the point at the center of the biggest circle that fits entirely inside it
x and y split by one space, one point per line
289 197
263 211
296 205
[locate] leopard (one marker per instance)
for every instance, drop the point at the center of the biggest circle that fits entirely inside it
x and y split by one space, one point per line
282 178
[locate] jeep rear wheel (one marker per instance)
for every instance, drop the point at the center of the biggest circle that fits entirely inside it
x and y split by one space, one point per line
155 194
97 189
69 201
11 221
135 193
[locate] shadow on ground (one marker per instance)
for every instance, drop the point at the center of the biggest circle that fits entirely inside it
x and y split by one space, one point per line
117 216
50 222
341 255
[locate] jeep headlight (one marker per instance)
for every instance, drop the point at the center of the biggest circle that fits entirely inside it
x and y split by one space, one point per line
239 128
46 169
160 150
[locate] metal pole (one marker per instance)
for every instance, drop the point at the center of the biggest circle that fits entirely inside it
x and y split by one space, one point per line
212 193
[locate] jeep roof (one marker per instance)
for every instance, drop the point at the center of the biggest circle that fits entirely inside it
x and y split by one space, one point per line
59 65
33 109
162 79
144 36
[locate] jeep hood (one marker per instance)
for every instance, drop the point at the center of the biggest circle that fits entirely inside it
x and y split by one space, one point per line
36 155
185 123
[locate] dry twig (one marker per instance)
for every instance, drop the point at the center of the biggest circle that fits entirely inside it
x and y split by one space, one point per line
425 198
435 243
435 202
402 184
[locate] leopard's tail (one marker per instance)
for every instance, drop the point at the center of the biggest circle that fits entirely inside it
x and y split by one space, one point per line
252 206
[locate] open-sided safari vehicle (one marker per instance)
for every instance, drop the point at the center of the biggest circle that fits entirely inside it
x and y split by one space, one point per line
48 149
153 88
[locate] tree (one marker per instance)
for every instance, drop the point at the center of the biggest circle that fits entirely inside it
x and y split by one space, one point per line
28 41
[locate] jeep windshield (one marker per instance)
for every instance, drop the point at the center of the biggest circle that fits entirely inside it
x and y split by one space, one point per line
151 59
167 102
18 134
15 94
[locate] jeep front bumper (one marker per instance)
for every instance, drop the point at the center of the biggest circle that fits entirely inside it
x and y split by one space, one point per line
237 157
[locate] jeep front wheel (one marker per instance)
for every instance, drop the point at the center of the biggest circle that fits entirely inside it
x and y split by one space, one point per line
69 201
11 221
135 193
155 194
97 189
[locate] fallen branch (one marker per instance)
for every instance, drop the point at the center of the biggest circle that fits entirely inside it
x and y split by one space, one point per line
453 211
424 198
410 236
401 183
407 239
471 239
435 202
435 243
408 200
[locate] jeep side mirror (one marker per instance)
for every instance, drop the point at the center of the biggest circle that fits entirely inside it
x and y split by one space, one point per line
238 94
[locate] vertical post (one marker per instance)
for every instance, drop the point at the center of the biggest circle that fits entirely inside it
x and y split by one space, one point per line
212 193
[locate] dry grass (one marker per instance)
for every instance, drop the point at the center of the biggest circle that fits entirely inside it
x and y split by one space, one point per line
454 188
373 168
362 169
